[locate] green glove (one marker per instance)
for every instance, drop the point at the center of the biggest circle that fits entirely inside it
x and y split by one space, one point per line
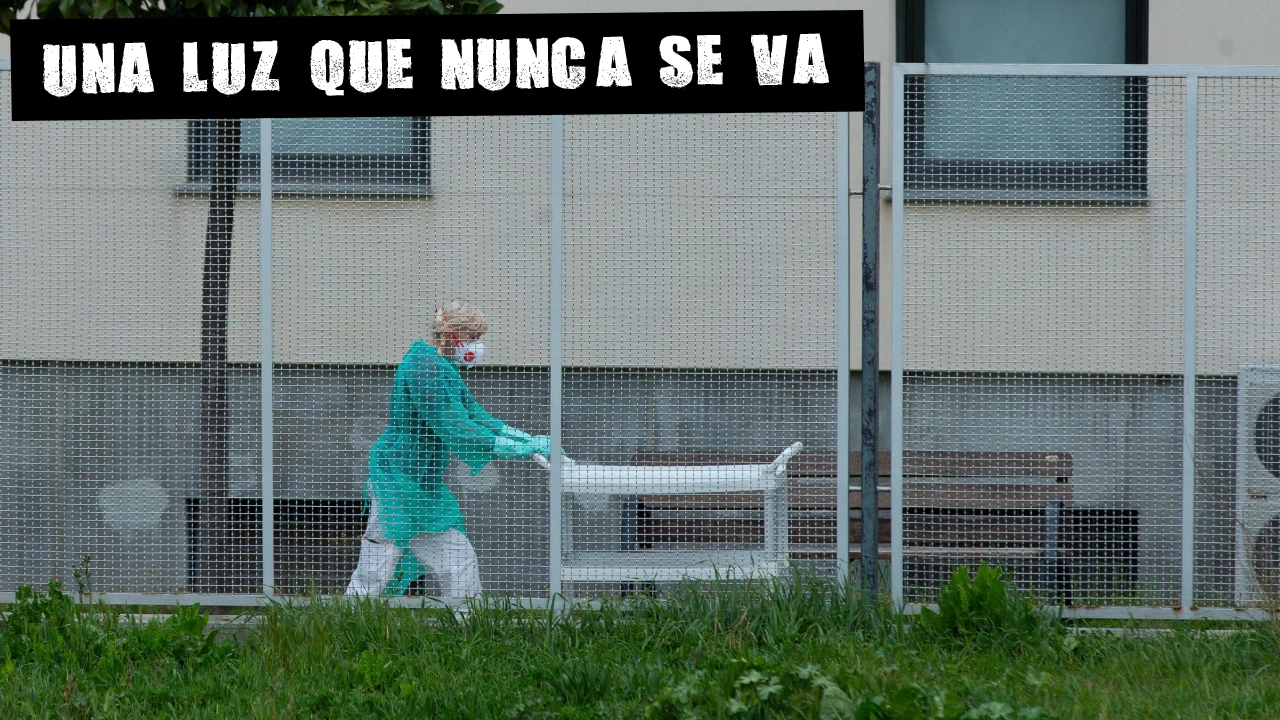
509 432
541 445
506 448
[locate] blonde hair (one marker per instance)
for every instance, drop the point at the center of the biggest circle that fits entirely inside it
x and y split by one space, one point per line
457 316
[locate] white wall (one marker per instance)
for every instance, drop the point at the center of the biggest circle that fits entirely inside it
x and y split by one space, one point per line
1182 31
368 267
1215 32
880 42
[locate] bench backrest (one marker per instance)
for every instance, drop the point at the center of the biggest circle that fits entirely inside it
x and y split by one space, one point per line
933 479
915 464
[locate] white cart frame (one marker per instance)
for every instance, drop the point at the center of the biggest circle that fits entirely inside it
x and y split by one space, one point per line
666 566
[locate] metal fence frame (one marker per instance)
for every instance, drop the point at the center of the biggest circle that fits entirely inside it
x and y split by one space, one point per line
1186 608
556 173
1192 74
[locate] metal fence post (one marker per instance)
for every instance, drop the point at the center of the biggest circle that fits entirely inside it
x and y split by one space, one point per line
895 330
843 359
268 357
871 329
1187 599
557 360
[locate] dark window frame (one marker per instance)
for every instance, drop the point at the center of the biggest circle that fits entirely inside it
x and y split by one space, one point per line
406 174
1120 180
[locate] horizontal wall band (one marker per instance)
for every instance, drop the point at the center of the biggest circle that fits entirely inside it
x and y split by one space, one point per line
1038 70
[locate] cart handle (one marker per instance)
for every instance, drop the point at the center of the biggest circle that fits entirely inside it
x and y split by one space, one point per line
779 466
544 462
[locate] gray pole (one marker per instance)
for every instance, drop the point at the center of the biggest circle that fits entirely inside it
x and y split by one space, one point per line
1190 217
870 327
843 359
555 498
268 366
895 345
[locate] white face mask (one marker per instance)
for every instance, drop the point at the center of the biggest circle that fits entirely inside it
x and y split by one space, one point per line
468 353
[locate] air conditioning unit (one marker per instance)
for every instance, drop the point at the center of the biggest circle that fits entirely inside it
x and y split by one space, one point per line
1258 485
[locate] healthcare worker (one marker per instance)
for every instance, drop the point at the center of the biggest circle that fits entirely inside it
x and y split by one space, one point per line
431 415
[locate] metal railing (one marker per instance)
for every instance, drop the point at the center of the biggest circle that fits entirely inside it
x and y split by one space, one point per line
660 293
1070 243
1073 244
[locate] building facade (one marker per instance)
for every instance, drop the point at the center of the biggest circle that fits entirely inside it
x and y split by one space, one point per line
699 296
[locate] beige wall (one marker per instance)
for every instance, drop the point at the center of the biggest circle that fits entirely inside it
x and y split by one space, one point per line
103 251
1098 288
727 262
1215 32
95 209
879 45
722 262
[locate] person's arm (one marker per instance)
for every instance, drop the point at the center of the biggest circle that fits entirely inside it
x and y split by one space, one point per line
481 417
541 443
445 412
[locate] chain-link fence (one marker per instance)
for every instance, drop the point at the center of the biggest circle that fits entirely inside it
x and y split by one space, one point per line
699 325
668 310
1071 243
660 296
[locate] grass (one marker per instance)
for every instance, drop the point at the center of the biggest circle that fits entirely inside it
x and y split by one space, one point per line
793 649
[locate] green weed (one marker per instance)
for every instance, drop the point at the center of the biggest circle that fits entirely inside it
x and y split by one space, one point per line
983 606
792 648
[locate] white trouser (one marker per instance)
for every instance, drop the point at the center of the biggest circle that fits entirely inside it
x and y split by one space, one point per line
448 555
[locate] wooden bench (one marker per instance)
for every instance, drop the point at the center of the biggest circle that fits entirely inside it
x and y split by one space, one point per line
957 507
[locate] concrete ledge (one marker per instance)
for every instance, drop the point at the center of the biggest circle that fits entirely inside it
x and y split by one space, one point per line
1121 612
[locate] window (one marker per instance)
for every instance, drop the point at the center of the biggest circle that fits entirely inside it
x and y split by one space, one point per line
376 156
1020 138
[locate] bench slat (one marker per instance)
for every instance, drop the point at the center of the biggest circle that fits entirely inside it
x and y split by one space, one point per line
917 463
810 553
963 486
969 530
921 494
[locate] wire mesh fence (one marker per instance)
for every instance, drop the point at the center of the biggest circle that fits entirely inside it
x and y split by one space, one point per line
1073 243
120 389
377 223
1070 244
699 314
149 275
1237 344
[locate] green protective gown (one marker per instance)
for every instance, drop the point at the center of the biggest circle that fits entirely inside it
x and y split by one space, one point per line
431 414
